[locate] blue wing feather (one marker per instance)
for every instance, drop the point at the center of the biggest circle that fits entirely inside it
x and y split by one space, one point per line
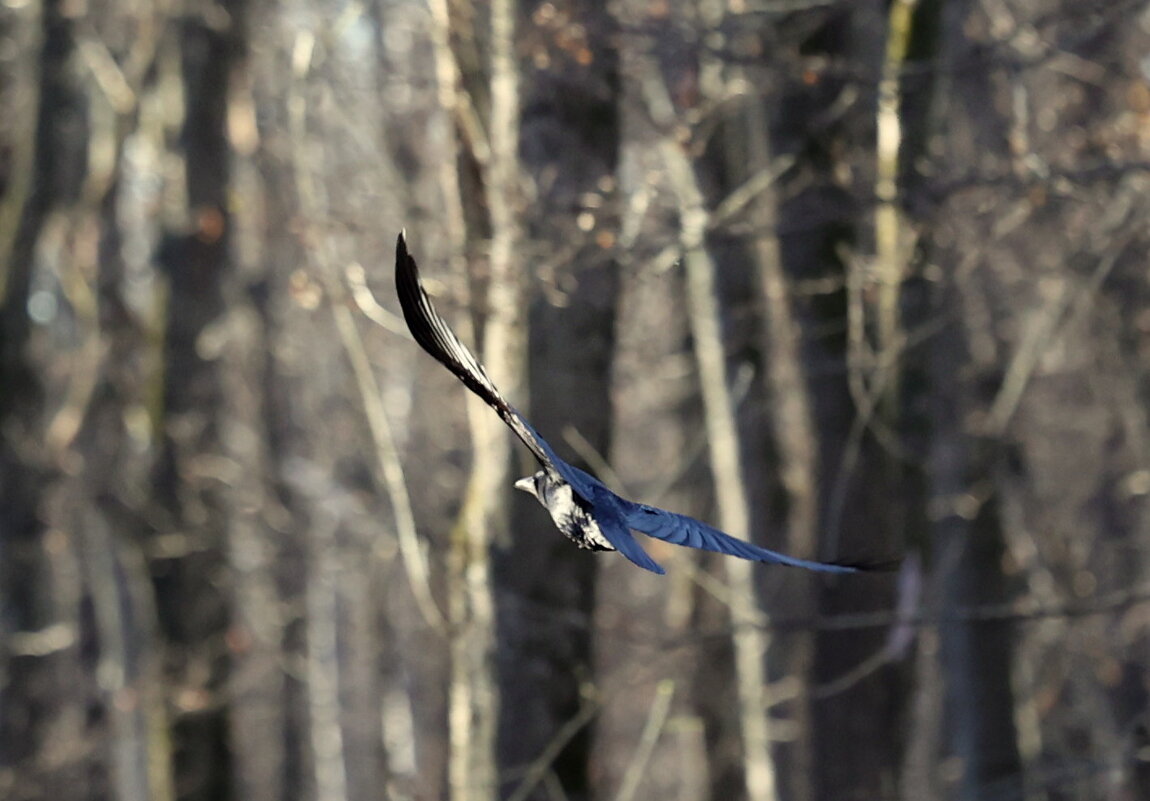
611 514
617 516
624 543
682 530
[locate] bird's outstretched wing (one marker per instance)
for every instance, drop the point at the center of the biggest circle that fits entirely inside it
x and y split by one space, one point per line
434 336
682 530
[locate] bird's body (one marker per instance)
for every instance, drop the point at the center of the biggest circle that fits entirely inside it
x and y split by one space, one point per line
570 513
581 506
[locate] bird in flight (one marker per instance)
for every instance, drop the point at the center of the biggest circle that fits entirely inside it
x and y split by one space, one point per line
582 507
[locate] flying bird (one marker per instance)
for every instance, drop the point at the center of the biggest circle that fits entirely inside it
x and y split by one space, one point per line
582 507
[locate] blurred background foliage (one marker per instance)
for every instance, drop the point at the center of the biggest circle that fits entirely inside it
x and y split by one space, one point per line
852 279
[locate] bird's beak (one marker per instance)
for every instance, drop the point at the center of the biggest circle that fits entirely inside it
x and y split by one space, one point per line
526 484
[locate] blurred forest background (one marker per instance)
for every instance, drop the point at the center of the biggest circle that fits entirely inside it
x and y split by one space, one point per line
850 278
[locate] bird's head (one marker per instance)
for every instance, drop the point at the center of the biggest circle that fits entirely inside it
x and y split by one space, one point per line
532 485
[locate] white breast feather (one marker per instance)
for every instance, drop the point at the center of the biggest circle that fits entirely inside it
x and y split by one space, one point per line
573 521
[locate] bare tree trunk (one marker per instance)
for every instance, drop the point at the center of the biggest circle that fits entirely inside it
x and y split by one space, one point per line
192 587
975 655
82 232
474 702
749 638
257 683
43 691
789 408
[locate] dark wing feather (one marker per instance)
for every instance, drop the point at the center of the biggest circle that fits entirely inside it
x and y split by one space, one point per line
682 530
431 332
434 336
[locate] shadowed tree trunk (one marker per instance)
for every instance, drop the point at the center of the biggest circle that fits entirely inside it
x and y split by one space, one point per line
193 598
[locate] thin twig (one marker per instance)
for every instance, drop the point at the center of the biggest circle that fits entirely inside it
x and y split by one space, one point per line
390 467
595 460
750 191
1040 334
366 302
540 766
656 720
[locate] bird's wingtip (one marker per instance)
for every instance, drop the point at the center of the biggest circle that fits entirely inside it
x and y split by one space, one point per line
647 563
650 565
872 565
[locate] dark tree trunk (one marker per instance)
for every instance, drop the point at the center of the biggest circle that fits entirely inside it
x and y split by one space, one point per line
569 129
